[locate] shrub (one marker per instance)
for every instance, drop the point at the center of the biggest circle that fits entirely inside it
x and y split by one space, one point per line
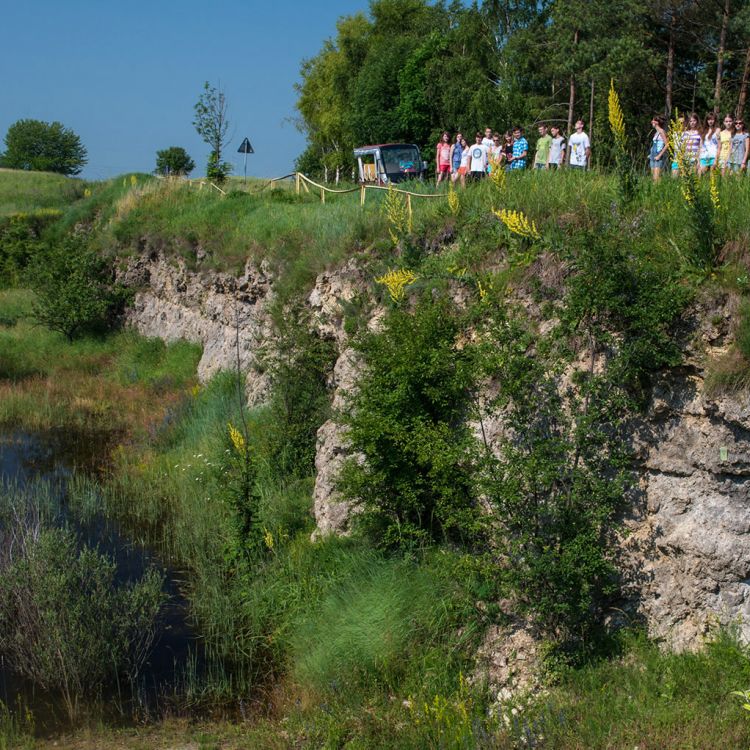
65 621
416 484
74 287
174 161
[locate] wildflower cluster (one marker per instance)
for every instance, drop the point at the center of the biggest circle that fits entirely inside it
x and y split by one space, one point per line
519 224
454 204
616 117
497 174
396 281
398 213
238 440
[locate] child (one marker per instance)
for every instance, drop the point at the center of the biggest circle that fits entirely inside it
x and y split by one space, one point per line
543 145
710 144
507 148
579 148
479 160
456 153
443 157
520 149
740 148
556 149
725 143
692 142
658 154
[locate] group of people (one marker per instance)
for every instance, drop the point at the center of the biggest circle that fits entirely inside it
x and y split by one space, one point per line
698 144
459 160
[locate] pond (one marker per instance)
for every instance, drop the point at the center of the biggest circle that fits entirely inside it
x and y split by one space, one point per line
55 458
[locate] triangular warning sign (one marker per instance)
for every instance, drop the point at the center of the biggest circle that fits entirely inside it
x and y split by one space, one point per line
245 147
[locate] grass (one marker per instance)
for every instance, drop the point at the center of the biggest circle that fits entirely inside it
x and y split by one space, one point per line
107 382
30 191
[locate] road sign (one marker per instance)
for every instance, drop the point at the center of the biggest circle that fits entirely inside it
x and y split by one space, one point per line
245 147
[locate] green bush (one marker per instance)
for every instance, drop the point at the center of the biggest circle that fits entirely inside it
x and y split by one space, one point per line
74 287
417 482
742 337
20 242
65 621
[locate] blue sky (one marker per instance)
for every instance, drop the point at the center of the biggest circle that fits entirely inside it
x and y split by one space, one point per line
125 75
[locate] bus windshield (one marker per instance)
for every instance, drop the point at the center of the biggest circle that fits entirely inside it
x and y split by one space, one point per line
400 159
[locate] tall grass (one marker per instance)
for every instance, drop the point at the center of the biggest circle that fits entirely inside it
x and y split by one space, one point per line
22 191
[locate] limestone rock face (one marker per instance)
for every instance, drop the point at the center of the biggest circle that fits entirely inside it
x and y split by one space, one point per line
223 313
686 552
689 550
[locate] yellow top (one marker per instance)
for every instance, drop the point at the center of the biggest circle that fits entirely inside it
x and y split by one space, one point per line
725 145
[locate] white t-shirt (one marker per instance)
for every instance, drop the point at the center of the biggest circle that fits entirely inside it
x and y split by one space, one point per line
478 154
465 156
578 143
556 149
487 142
710 145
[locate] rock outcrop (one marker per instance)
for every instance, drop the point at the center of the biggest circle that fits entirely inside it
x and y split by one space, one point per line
687 550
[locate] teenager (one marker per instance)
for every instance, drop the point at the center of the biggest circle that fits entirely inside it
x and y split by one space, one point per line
463 170
456 153
479 158
692 142
487 140
443 157
710 144
677 143
725 143
579 148
557 148
657 157
507 148
496 149
543 145
740 148
520 149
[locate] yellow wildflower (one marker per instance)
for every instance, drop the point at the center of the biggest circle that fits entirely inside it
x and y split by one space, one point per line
396 280
398 212
616 118
133 180
714 189
497 174
454 203
238 439
518 224
87 193
268 538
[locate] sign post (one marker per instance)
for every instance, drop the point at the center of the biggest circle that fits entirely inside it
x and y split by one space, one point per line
245 148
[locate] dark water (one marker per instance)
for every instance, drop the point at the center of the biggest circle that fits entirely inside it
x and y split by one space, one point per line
53 457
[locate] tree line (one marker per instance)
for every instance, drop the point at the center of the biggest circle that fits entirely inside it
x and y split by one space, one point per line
410 69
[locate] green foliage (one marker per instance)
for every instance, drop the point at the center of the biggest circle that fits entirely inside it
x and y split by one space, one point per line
298 368
20 241
65 621
212 125
74 287
174 161
742 336
373 627
416 483
43 147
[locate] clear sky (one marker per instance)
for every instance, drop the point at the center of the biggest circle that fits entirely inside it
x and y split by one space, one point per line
125 74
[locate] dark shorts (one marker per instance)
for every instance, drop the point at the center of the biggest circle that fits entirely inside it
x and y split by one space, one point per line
477 175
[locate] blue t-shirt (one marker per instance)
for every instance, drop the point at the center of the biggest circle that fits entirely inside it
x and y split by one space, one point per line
519 147
457 151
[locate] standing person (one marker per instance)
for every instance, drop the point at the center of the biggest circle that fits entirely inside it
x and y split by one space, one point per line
740 148
677 142
520 149
496 149
507 148
463 170
456 152
487 140
710 144
657 157
557 148
579 147
692 142
479 158
543 146
443 157
725 143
